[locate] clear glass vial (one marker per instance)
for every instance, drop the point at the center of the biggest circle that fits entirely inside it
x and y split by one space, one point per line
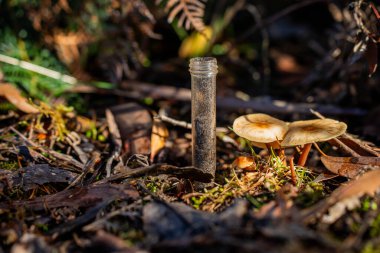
203 72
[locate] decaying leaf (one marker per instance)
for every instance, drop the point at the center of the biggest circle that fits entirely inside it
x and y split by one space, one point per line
369 184
244 162
36 175
349 167
81 197
13 95
158 138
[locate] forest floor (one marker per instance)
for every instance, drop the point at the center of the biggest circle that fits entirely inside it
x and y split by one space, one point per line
122 182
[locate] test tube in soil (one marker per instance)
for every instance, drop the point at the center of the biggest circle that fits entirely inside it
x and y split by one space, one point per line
203 72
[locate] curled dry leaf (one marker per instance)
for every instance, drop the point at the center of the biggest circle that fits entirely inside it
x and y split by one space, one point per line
244 162
13 95
349 167
158 138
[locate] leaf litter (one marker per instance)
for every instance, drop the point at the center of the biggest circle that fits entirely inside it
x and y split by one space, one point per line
56 194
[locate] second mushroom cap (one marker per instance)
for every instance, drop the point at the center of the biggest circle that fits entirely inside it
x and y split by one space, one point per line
310 131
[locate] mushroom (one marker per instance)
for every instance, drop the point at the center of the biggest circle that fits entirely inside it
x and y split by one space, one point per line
309 131
262 130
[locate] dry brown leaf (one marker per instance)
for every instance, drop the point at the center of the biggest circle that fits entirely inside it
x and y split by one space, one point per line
244 162
13 95
369 184
349 167
158 138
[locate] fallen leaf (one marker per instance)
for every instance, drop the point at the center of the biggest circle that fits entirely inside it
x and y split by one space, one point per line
349 167
324 176
369 184
81 197
244 162
158 138
36 175
13 95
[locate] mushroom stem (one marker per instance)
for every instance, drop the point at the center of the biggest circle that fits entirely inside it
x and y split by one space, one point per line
304 154
293 171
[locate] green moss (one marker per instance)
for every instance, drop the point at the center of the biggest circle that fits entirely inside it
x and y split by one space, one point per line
375 227
370 248
8 165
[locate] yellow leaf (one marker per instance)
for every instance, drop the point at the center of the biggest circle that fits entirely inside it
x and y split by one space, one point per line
159 135
196 44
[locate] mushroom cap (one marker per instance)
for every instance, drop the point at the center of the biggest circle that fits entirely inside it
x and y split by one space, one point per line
309 131
260 128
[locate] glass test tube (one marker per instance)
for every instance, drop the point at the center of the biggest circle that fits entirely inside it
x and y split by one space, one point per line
203 72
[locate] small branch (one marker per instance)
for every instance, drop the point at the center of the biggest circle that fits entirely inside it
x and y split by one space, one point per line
156 169
184 124
116 140
174 122
38 69
139 90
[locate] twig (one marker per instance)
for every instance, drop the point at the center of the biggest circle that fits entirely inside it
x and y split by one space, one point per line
89 166
184 124
116 140
38 69
186 172
138 90
174 122
73 139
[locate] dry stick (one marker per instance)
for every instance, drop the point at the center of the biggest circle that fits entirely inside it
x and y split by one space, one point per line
188 172
38 69
304 154
138 90
116 140
184 124
293 170
89 166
